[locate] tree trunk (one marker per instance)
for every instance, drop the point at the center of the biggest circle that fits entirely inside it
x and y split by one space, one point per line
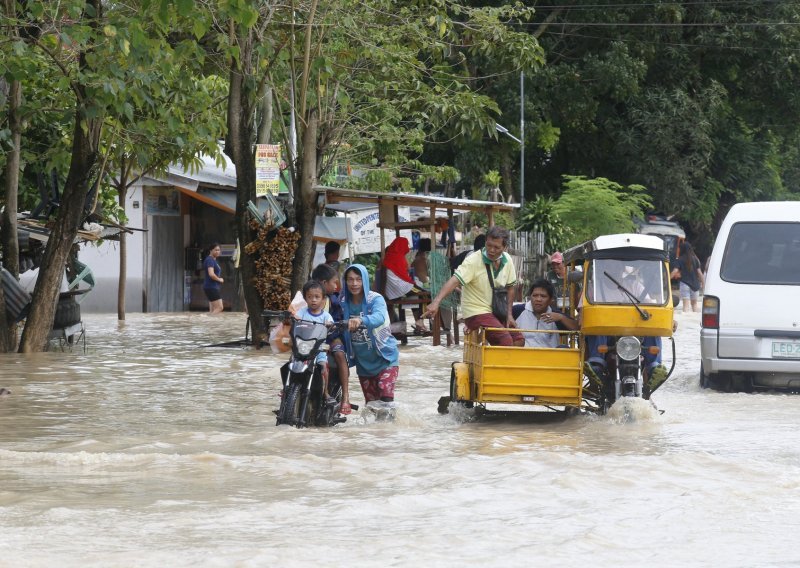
506 170
238 145
123 255
8 221
305 203
86 135
265 125
9 217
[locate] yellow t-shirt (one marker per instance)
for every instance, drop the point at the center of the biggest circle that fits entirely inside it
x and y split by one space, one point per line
476 291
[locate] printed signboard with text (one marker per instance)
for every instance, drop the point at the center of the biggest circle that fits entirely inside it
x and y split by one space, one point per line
268 169
367 235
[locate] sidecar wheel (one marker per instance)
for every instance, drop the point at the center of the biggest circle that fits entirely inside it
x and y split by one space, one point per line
453 394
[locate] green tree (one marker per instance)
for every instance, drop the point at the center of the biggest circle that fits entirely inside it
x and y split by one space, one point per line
594 207
694 100
363 81
184 121
539 215
112 58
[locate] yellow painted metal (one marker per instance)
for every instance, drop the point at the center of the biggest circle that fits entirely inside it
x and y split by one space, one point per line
523 375
462 386
615 319
625 319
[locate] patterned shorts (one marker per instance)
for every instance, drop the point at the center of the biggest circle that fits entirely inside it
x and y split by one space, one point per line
381 386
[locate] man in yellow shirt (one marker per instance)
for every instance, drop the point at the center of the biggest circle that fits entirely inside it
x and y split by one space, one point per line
476 289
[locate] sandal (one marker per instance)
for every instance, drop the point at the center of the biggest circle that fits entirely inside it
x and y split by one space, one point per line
346 408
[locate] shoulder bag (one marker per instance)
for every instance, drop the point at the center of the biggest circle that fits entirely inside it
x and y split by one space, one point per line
499 299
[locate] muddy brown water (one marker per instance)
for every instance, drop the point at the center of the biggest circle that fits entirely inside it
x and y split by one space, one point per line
152 450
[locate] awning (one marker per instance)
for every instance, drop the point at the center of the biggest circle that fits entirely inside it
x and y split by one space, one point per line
221 199
337 229
347 200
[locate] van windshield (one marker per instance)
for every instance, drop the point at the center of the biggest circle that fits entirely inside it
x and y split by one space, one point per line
762 253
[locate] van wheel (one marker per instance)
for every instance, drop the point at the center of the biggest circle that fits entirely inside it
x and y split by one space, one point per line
722 382
704 379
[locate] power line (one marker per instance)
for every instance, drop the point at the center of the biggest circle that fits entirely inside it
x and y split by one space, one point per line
645 4
673 44
664 24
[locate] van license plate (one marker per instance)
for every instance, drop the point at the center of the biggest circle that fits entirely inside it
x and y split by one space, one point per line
786 349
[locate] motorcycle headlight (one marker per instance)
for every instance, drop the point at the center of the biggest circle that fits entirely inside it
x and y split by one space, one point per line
304 347
628 348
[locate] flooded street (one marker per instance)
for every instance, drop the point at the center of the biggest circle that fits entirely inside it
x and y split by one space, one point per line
150 450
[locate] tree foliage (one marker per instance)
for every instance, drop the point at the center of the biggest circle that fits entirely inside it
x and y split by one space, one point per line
594 207
93 73
367 82
539 215
696 101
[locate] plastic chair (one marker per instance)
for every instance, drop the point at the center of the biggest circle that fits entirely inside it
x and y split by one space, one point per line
84 275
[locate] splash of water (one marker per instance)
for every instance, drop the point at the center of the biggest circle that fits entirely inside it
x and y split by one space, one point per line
460 413
633 409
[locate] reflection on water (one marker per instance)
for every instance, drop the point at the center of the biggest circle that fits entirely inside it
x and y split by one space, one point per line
152 450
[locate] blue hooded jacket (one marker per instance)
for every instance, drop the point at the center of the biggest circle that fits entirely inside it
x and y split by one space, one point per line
381 351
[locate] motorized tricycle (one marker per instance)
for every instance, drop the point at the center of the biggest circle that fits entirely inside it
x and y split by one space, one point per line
303 401
625 309
619 290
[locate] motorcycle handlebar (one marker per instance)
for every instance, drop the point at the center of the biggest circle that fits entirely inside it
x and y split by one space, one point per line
285 314
282 314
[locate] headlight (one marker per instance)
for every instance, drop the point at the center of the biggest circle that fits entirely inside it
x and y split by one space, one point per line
304 347
628 348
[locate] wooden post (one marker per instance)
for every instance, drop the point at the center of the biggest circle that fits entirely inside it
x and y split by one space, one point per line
437 319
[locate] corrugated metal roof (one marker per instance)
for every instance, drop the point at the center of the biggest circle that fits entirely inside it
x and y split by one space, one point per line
209 174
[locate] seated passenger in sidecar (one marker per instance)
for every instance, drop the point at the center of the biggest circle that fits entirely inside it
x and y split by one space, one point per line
538 314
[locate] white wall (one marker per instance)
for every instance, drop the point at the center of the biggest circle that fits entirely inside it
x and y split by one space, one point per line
104 262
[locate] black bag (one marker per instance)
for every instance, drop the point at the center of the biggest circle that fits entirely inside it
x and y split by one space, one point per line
499 299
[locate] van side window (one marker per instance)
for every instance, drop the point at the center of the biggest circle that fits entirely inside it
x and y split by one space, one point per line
762 253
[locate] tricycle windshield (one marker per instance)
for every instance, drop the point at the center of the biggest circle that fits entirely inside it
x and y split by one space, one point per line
628 281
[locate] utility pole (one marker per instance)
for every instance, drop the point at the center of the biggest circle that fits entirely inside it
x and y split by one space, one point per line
522 139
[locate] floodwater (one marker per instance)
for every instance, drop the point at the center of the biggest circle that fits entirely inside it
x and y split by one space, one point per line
151 450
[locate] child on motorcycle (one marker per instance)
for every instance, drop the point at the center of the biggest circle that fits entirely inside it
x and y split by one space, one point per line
326 275
314 295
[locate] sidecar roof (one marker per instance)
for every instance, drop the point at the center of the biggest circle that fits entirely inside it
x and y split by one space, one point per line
622 246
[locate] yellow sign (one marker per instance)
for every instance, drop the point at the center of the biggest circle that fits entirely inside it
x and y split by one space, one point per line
268 169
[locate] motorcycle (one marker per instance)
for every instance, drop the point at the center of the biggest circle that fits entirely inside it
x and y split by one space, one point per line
625 371
303 394
627 309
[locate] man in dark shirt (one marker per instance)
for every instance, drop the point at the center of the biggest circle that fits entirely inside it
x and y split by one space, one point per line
456 261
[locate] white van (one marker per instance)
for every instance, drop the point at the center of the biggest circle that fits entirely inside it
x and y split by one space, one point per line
751 305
